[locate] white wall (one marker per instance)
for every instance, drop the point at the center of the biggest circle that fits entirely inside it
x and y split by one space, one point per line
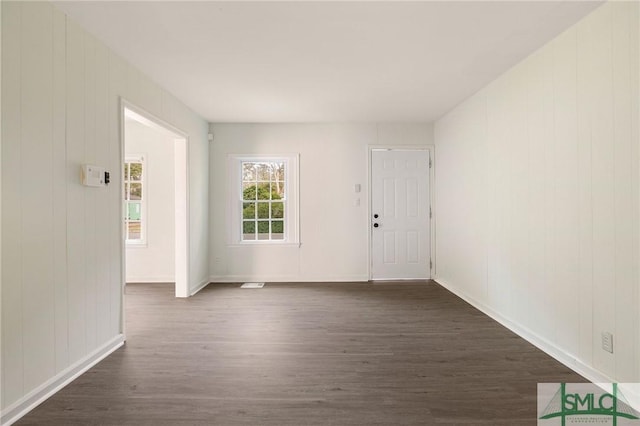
537 196
154 261
333 231
61 242
1 119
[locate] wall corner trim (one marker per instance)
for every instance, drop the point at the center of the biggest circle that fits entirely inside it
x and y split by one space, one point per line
202 284
17 410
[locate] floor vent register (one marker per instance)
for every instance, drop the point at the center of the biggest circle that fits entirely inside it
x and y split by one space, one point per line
252 285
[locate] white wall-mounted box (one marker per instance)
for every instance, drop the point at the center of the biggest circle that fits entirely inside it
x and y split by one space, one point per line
94 175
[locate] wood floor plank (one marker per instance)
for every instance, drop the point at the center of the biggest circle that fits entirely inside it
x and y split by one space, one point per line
308 354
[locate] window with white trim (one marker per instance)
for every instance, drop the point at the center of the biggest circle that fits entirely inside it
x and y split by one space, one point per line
134 200
264 206
264 200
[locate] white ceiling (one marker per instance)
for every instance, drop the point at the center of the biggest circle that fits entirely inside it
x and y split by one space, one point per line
324 61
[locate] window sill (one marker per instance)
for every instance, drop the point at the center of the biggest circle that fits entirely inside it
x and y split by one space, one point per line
135 245
264 244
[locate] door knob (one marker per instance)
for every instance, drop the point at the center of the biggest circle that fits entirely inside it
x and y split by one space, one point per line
375 225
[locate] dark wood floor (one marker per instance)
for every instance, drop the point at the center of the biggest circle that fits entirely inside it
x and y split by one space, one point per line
307 354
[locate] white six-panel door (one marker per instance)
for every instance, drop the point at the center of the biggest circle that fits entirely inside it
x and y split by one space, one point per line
400 237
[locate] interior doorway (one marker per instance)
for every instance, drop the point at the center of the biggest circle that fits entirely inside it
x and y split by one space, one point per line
154 200
400 214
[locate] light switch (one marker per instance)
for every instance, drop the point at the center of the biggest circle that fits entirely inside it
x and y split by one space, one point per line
356 187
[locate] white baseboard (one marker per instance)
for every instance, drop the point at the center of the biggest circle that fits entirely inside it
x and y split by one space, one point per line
37 396
152 279
285 279
199 287
575 364
631 392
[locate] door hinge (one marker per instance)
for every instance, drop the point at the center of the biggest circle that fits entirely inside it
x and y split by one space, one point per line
429 162
430 264
430 213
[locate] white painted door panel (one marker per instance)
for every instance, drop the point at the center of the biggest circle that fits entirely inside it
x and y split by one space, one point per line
400 240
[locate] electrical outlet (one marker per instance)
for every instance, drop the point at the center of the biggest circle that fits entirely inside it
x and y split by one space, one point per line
607 341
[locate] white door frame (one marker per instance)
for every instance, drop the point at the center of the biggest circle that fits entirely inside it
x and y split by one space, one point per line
432 228
181 200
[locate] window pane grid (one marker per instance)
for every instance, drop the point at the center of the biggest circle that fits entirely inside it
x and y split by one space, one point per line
263 200
133 197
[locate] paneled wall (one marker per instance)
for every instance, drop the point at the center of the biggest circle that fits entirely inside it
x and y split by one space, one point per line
61 241
334 223
537 195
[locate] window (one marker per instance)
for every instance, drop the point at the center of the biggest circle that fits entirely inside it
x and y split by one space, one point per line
264 206
134 205
264 200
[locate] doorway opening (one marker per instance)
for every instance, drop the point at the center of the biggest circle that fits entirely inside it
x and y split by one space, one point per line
400 213
154 201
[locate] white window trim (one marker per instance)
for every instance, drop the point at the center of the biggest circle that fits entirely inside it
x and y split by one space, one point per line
142 243
234 200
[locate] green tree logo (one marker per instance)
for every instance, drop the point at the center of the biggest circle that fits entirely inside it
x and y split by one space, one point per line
588 405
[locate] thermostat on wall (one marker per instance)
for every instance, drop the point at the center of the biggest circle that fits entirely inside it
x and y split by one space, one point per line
94 175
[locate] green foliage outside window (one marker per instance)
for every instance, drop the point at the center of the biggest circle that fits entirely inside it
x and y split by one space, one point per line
264 196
